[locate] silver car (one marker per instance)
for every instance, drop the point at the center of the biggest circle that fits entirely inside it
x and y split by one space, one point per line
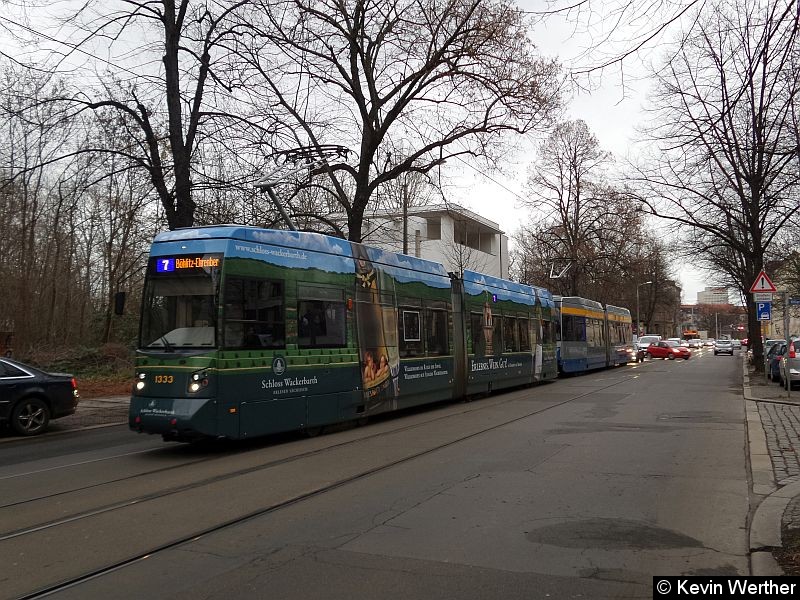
723 347
790 364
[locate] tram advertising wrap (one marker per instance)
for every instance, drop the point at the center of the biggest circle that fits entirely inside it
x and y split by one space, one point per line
247 332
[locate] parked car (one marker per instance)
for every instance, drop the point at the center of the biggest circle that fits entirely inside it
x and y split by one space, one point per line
723 347
771 342
767 345
772 361
668 349
790 364
30 398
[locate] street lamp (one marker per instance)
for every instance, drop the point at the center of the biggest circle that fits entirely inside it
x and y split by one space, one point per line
638 320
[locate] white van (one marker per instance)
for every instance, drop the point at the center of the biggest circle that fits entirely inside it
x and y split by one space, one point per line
643 342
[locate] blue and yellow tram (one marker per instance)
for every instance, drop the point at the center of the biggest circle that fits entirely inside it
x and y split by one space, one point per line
246 332
592 336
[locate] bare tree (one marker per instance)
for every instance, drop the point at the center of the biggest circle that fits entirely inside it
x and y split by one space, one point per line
446 78
183 93
723 141
575 216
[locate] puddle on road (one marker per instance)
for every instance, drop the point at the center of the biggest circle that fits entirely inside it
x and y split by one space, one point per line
700 416
611 534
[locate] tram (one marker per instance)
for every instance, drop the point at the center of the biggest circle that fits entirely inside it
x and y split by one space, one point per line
247 332
593 336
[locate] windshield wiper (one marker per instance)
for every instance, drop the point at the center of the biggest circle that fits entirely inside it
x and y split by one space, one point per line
167 346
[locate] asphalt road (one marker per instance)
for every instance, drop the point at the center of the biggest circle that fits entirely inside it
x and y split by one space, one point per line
585 487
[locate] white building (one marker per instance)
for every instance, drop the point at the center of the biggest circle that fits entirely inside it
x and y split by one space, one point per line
714 295
449 234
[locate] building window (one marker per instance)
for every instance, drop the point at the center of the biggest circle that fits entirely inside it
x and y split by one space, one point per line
470 236
434 228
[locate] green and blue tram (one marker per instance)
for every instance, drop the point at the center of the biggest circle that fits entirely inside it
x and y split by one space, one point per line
592 336
247 332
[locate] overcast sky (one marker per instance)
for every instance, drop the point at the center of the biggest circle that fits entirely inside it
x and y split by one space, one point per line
612 112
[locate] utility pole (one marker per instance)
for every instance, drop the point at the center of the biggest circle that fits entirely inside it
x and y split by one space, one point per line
405 216
788 340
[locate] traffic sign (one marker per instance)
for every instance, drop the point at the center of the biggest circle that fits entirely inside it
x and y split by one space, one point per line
764 310
763 284
794 301
762 296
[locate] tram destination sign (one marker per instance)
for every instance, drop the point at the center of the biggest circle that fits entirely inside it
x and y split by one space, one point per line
185 263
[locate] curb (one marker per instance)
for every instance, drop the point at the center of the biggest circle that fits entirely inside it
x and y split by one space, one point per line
766 522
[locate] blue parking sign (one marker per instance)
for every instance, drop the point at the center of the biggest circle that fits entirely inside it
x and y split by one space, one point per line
764 310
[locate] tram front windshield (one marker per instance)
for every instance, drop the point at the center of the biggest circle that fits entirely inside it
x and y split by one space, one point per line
179 312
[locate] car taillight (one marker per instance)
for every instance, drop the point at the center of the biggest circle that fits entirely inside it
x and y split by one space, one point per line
792 353
74 384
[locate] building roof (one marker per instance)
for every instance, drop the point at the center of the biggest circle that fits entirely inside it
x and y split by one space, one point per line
449 209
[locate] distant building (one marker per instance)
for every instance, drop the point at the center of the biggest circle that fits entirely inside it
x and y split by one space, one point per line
666 320
449 234
714 295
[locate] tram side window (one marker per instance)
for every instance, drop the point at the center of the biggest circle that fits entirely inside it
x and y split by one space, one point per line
510 343
476 330
597 333
497 341
547 332
410 333
576 329
253 314
321 324
524 337
436 332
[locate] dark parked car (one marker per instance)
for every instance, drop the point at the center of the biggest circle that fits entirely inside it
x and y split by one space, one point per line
29 397
772 361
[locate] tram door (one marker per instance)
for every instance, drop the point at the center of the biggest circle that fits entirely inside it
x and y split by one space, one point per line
376 328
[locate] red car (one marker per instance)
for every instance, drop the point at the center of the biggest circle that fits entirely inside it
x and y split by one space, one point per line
668 349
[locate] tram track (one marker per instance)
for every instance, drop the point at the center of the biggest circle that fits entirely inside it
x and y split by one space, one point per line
202 461
6 535
296 498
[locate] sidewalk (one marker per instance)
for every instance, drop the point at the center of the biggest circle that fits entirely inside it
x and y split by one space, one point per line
93 412
90 414
773 432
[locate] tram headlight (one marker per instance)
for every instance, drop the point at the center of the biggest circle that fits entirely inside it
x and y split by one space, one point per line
198 380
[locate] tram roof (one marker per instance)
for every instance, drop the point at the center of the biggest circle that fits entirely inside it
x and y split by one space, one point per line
315 242
578 301
496 282
618 310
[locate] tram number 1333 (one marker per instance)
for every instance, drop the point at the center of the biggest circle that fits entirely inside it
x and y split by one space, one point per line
164 378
